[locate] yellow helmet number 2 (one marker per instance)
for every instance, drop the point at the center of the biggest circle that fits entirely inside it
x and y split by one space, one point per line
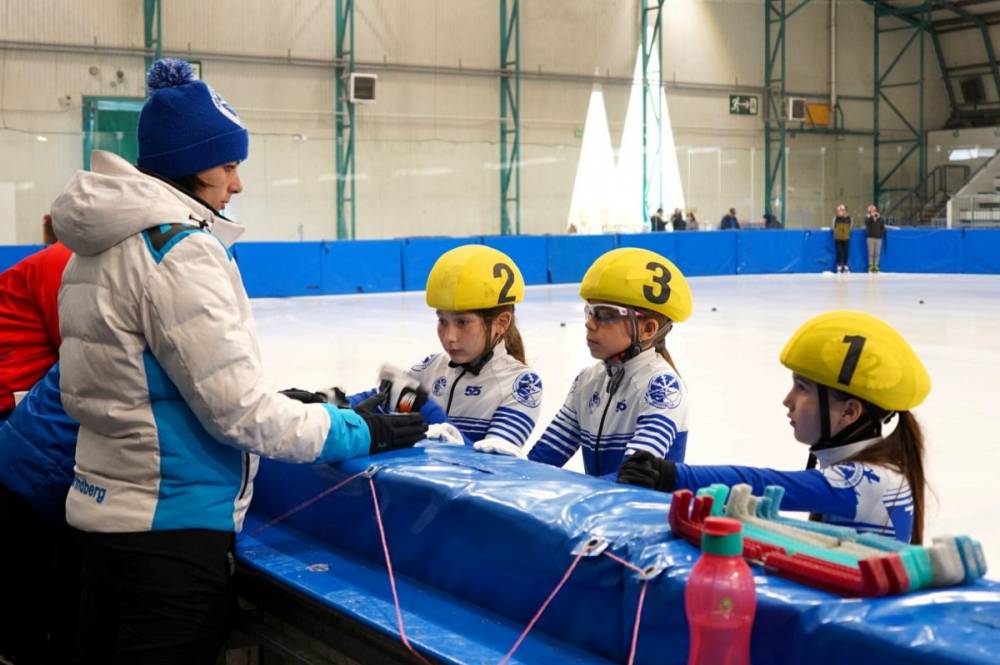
502 270
473 277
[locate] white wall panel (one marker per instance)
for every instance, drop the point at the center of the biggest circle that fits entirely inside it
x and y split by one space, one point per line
427 155
714 42
104 22
299 28
580 36
446 33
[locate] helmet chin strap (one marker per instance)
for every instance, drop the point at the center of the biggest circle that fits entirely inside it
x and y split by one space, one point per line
867 426
474 367
615 365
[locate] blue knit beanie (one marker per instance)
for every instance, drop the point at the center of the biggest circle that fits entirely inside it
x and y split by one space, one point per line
185 126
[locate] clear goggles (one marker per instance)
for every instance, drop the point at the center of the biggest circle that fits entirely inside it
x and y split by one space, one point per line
603 312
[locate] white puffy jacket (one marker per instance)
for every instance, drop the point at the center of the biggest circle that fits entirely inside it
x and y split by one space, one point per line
160 363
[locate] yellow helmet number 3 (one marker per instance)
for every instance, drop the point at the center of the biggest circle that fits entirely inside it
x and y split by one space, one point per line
639 278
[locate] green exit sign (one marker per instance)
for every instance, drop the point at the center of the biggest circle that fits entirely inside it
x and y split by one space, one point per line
743 104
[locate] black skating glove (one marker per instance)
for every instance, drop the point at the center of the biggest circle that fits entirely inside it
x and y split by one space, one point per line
644 469
305 396
371 403
393 431
337 397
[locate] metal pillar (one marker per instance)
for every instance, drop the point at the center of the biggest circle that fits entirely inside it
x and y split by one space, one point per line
915 22
345 120
984 31
510 117
652 40
776 15
945 74
152 14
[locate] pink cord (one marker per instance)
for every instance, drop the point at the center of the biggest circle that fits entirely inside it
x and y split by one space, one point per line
630 566
392 578
638 616
538 614
304 504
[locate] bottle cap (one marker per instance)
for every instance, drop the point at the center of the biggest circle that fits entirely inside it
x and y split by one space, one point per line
722 536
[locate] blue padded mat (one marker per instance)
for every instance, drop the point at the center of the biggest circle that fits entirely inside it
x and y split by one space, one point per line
483 540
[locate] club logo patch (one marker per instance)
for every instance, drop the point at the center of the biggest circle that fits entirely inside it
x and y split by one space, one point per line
420 366
843 476
621 406
224 108
664 392
595 401
528 389
439 386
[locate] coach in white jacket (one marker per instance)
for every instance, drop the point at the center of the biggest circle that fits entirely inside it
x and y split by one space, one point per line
161 367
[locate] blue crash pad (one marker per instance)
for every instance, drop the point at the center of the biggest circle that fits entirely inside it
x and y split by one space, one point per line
479 541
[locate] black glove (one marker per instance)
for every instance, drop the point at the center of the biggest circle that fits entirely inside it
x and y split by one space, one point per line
338 398
305 396
371 403
644 469
393 431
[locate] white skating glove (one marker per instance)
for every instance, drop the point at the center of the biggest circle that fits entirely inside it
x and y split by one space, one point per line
498 446
446 433
404 392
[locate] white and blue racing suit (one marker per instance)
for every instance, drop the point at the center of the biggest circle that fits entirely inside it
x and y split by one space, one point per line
647 411
501 400
866 497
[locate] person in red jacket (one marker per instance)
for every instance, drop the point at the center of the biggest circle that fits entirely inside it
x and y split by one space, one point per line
29 320
39 571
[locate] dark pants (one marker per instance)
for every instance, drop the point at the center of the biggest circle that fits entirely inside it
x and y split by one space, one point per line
160 597
842 246
39 585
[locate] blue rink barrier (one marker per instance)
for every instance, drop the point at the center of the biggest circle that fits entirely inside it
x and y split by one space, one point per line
11 254
362 266
715 255
570 256
530 253
419 255
929 250
771 251
479 541
980 251
278 269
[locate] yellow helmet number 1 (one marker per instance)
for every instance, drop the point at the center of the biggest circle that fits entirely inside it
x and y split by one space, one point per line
861 355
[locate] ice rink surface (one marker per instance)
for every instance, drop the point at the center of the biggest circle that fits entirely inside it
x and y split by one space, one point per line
727 353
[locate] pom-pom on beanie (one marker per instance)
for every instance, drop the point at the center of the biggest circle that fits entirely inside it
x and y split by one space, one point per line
185 126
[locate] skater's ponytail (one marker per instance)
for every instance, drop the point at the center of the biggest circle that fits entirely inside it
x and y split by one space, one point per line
511 337
903 451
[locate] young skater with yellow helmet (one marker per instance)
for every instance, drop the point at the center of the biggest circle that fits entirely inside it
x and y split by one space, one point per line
480 384
851 374
633 399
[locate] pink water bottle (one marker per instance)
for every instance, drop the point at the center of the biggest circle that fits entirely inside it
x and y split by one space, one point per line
720 597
